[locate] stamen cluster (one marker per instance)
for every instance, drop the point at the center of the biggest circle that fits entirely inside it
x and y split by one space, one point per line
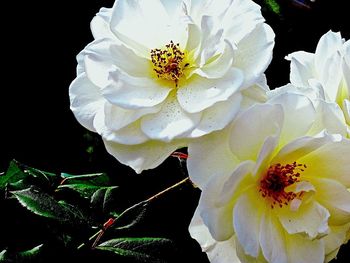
277 178
168 62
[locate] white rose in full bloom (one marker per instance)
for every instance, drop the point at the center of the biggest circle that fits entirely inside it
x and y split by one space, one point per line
328 68
162 72
274 186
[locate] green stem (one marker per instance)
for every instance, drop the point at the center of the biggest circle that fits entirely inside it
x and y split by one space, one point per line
98 235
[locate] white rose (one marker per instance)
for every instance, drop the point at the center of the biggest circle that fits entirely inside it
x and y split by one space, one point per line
328 68
272 189
160 73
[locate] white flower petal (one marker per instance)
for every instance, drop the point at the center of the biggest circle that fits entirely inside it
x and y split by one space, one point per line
100 24
331 76
346 106
103 55
241 176
329 116
85 101
142 156
211 41
218 252
298 187
173 7
346 67
299 115
272 240
335 197
254 53
217 217
300 249
266 153
198 8
126 60
300 147
327 46
117 118
255 94
314 93
170 122
200 232
212 150
240 19
128 16
130 134
244 258
98 61
250 129
194 39
219 67
201 93
334 240
134 93
329 161
302 68
247 227
311 219
216 202
218 116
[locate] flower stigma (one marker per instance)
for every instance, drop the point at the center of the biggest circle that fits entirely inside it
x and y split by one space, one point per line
169 63
276 179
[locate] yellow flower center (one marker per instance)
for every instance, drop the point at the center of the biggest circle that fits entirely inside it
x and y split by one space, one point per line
276 179
169 63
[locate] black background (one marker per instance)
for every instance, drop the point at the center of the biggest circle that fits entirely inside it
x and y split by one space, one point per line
40 40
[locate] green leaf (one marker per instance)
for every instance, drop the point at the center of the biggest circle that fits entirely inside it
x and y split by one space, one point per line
30 255
97 179
3 255
146 249
84 190
131 216
103 198
18 176
13 174
273 6
40 203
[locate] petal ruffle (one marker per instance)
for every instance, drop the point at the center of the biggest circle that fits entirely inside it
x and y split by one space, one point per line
85 101
302 68
201 93
254 53
327 46
128 16
272 239
300 249
250 130
170 122
220 66
142 156
334 240
329 161
100 24
299 115
131 93
247 227
335 197
217 251
129 135
218 116
240 19
311 219
204 160
117 118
